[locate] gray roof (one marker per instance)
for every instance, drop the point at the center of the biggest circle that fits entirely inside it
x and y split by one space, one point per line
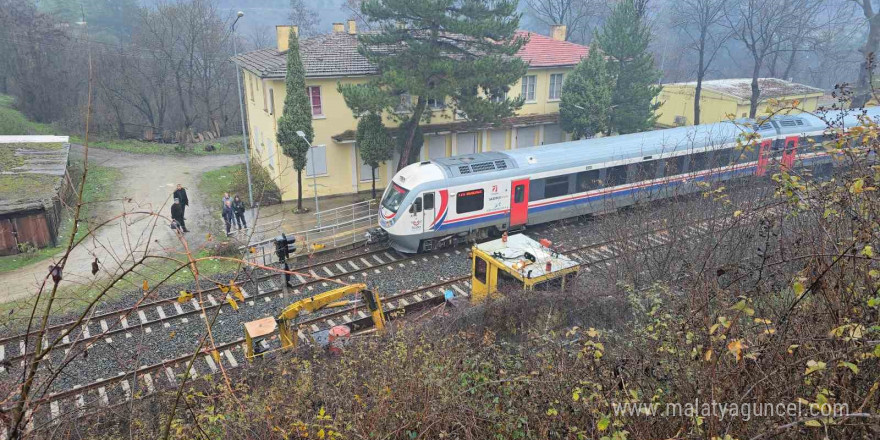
333 54
31 171
741 88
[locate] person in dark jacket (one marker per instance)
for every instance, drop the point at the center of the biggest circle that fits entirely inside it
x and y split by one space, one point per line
239 208
177 214
228 215
180 194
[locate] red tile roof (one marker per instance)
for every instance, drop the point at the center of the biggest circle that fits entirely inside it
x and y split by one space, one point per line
336 54
543 51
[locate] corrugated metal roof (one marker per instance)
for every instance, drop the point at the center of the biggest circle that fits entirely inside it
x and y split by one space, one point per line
741 88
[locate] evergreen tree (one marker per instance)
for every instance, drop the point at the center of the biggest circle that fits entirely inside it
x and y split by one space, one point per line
624 39
457 51
296 116
586 97
373 143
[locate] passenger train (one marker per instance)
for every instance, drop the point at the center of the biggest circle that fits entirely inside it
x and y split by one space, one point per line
437 203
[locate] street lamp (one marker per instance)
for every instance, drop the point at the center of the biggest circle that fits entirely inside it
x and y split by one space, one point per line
314 174
244 134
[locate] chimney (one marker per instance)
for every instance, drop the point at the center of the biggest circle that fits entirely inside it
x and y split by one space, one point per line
338 28
557 32
352 27
282 33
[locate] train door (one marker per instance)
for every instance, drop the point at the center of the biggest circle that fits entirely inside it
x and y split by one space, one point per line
764 153
789 152
428 211
519 202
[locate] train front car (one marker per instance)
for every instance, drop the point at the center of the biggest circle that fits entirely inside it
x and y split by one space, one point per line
403 213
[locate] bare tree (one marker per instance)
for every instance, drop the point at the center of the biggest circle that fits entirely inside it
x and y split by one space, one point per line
701 23
872 41
260 37
764 27
574 14
303 17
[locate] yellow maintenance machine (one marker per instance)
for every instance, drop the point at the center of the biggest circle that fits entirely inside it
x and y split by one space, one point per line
517 260
260 329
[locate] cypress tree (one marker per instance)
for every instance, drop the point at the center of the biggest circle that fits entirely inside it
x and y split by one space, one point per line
624 38
586 97
296 116
373 143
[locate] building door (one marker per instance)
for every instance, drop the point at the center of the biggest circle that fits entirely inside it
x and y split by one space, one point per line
789 152
764 153
519 202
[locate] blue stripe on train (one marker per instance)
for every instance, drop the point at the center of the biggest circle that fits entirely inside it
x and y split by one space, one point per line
622 193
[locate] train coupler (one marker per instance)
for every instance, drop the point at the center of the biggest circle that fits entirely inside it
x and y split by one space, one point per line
376 235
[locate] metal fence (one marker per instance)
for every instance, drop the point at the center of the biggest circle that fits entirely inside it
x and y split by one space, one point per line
333 228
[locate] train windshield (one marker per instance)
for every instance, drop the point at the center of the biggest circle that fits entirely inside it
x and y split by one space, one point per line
394 197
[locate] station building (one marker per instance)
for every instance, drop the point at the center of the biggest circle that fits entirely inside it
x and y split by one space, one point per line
331 59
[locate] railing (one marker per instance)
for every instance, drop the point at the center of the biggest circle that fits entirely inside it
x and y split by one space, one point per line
333 228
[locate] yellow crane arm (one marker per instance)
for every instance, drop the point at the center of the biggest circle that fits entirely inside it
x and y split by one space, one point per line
319 301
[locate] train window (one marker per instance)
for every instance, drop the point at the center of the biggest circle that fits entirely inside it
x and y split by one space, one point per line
615 176
642 171
519 193
469 201
428 202
748 153
416 206
673 165
394 195
699 162
556 186
480 269
587 181
722 157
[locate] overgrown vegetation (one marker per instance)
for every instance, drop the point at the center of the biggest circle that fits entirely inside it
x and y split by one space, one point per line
224 145
13 122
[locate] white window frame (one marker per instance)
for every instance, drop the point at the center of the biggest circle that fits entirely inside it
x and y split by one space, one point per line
434 106
556 80
529 86
308 170
312 104
404 104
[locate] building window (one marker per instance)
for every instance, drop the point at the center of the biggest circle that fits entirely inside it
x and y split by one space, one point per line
251 86
469 201
271 101
436 104
366 169
315 99
405 103
319 153
528 87
497 96
555 85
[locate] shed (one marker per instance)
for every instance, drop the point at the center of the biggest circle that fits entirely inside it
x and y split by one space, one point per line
722 97
34 186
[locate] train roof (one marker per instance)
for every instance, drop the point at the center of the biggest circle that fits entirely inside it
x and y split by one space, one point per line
650 143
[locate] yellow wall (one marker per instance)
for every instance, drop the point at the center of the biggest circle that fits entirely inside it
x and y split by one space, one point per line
677 100
343 165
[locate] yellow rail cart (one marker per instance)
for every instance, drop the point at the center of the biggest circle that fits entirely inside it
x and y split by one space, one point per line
520 261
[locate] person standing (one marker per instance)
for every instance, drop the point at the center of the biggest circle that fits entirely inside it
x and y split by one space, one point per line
228 215
226 198
239 208
180 194
177 214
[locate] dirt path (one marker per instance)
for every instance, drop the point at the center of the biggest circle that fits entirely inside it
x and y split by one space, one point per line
145 188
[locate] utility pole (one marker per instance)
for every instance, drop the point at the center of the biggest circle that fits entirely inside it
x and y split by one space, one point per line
244 133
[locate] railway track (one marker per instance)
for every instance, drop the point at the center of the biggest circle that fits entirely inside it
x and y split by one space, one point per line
148 379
